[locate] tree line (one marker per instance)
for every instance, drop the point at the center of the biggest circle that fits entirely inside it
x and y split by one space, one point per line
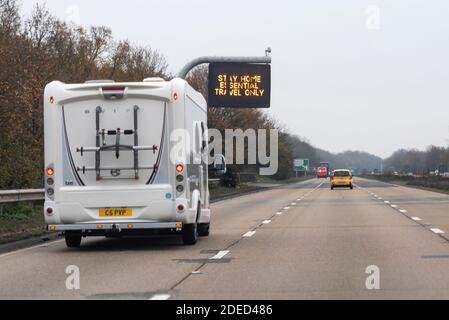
418 162
41 48
37 50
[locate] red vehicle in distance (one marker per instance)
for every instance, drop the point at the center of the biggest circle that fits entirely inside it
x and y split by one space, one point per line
321 172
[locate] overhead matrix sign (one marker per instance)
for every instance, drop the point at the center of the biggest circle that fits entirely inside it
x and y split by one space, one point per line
239 85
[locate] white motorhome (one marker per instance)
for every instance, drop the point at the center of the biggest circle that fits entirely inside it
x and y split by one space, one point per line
110 169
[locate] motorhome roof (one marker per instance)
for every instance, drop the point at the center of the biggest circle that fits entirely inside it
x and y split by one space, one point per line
155 88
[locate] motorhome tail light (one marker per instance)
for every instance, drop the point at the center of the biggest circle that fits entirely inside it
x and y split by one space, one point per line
52 100
181 207
175 96
50 181
180 168
49 211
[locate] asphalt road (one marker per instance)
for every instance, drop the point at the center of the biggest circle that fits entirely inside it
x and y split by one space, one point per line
301 241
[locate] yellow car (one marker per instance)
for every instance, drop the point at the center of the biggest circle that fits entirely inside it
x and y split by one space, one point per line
341 178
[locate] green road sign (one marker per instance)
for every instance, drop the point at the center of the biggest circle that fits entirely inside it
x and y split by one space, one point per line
301 165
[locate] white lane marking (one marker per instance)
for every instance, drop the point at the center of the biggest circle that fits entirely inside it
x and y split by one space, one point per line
220 255
279 213
387 202
160 297
249 234
31 248
416 218
394 206
403 211
437 231
287 208
293 204
266 222
380 198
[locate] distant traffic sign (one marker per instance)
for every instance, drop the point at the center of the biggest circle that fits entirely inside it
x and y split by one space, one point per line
239 85
301 165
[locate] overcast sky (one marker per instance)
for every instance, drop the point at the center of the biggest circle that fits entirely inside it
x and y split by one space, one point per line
347 74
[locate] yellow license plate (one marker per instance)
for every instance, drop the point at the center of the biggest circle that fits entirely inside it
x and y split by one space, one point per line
116 212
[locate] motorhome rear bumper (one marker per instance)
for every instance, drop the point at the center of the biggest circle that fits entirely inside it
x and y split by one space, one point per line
118 227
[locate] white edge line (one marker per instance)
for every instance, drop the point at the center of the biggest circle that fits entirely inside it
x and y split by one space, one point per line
416 219
266 222
31 248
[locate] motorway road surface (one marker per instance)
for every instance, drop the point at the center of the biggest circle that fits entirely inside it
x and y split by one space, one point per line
300 241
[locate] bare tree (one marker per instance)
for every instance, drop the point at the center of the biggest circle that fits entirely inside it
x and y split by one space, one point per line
38 26
10 22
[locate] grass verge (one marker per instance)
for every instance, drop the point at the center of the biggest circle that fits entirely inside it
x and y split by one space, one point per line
268 180
21 221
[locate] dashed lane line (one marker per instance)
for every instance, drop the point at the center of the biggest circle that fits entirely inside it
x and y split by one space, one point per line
437 231
220 255
416 219
160 297
249 234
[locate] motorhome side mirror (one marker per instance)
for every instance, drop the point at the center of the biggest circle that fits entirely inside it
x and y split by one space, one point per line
220 165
